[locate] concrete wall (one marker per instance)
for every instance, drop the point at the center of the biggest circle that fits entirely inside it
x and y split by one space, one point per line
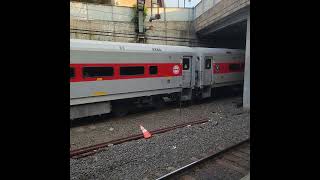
172 14
203 6
220 10
116 13
102 30
170 33
81 11
112 23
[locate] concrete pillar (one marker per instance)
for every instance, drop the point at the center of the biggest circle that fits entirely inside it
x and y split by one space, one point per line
140 22
246 86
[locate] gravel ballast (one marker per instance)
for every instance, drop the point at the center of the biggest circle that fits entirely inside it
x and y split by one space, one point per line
163 153
114 128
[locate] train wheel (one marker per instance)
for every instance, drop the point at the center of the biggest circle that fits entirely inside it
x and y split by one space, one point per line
159 103
120 109
177 99
188 103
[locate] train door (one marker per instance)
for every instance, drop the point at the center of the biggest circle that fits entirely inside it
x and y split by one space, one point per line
207 71
186 72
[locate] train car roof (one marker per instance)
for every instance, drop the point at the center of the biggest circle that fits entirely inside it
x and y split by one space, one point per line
79 44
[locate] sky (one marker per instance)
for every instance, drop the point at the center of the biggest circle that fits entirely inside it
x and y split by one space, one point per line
174 3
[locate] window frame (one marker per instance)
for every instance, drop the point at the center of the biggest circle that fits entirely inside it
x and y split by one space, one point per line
235 70
74 73
205 62
156 69
189 59
88 77
144 70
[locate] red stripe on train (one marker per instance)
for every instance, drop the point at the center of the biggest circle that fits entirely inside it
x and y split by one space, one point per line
220 68
164 70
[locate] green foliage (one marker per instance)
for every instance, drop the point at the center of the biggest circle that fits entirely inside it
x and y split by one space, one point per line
135 18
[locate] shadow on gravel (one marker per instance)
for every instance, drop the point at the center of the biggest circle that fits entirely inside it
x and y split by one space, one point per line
106 117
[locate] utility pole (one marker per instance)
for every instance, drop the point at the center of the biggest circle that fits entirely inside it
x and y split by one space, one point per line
140 9
165 22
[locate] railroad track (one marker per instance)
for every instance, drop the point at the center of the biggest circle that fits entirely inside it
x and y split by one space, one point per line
90 150
231 163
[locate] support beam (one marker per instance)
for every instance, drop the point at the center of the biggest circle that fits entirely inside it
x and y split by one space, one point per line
246 86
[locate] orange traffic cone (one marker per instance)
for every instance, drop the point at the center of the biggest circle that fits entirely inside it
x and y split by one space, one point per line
146 134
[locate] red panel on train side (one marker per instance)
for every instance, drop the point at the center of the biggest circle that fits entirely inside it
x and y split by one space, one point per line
164 70
221 68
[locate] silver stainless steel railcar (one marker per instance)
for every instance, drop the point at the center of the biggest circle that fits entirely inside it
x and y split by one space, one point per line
112 77
217 67
109 76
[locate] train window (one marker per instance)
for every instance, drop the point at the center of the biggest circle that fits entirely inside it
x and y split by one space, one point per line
186 63
72 74
234 67
97 71
208 63
153 70
132 70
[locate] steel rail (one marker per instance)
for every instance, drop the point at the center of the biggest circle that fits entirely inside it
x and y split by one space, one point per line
186 167
89 150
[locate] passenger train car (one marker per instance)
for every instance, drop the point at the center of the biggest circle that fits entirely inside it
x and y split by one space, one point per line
216 68
114 77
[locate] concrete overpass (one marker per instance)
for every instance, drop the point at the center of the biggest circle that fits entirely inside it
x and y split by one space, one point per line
226 24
